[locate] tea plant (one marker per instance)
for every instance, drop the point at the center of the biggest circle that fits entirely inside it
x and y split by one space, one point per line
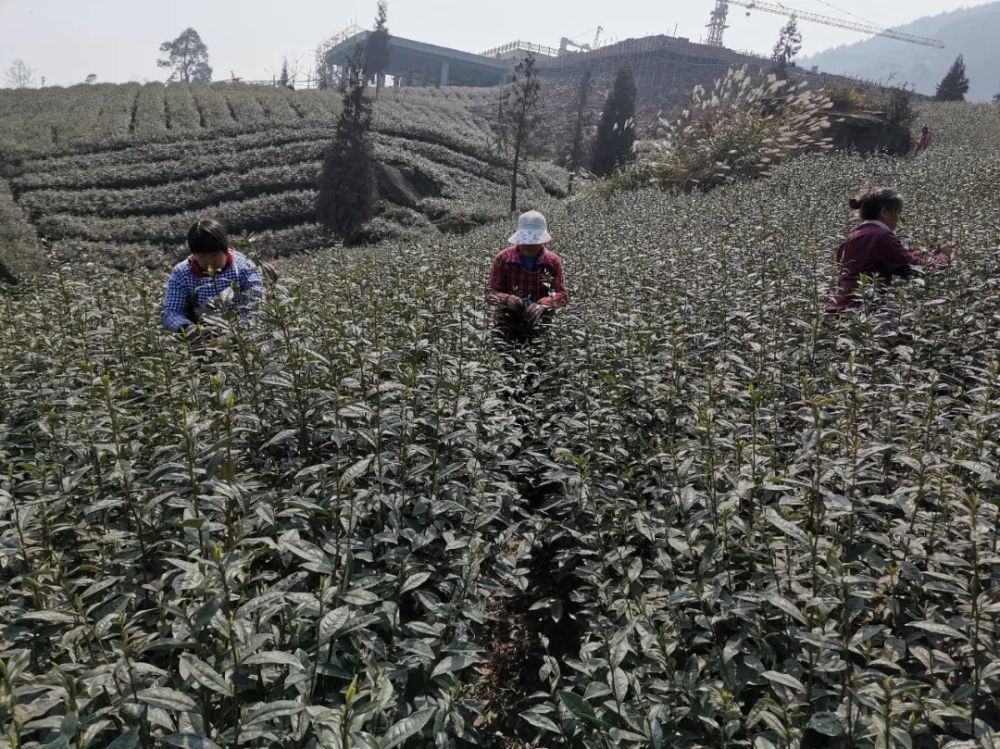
138 184
699 513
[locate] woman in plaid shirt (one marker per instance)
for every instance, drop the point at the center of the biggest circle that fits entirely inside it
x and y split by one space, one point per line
215 275
526 283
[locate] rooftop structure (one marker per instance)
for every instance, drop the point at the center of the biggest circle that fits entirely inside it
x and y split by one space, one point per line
414 63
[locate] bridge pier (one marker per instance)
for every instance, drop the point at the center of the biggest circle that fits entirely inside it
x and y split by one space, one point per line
445 72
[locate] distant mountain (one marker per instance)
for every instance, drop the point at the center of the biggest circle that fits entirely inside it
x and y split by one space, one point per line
973 32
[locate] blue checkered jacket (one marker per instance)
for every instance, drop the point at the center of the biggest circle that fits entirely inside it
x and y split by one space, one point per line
185 286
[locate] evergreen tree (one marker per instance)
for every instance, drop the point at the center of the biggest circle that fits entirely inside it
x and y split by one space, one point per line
955 85
519 116
616 130
188 56
284 78
377 50
347 184
788 46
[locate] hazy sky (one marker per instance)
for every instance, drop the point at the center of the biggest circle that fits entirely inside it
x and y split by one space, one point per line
64 40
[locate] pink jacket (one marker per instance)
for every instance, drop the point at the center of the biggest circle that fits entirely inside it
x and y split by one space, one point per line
871 249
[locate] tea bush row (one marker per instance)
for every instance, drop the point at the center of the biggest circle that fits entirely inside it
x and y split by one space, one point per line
700 513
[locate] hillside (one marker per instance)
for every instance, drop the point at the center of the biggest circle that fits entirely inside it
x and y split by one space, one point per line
699 513
133 166
972 32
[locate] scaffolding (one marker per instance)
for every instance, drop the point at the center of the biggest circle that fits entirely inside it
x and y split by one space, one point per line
335 40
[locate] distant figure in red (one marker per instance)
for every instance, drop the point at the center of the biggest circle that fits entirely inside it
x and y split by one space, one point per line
873 249
925 139
526 283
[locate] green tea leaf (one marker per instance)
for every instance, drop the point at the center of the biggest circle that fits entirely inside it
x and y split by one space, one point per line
203 674
405 728
166 698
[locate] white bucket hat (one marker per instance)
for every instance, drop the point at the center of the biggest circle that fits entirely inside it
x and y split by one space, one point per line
531 229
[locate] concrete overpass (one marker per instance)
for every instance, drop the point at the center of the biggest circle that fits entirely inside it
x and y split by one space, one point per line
414 63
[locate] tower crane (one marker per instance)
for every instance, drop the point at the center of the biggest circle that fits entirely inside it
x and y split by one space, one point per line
566 43
717 26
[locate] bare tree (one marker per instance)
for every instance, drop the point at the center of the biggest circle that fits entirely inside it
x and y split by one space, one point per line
519 116
20 75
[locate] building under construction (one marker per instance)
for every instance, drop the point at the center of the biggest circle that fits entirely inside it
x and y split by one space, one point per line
416 63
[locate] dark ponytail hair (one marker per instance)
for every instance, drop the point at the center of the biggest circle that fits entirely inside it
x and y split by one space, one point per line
870 204
208 236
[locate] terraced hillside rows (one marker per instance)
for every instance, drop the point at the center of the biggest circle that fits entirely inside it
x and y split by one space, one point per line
104 116
699 513
89 182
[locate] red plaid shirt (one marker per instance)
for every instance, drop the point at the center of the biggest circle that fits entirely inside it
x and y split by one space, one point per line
545 285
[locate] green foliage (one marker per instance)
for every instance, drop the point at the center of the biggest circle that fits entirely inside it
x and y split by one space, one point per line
699 514
615 138
848 98
20 255
347 189
738 130
187 56
900 117
789 44
93 164
955 84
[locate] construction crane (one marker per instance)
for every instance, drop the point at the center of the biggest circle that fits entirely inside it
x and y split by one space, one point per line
566 43
717 26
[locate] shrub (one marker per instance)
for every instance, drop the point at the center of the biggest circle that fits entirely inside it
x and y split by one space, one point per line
899 120
738 130
20 255
847 98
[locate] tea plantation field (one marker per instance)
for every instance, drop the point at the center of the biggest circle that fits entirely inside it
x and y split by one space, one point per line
134 166
700 513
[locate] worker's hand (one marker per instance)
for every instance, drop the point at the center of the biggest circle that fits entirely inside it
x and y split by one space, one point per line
513 303
534 313
941 254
